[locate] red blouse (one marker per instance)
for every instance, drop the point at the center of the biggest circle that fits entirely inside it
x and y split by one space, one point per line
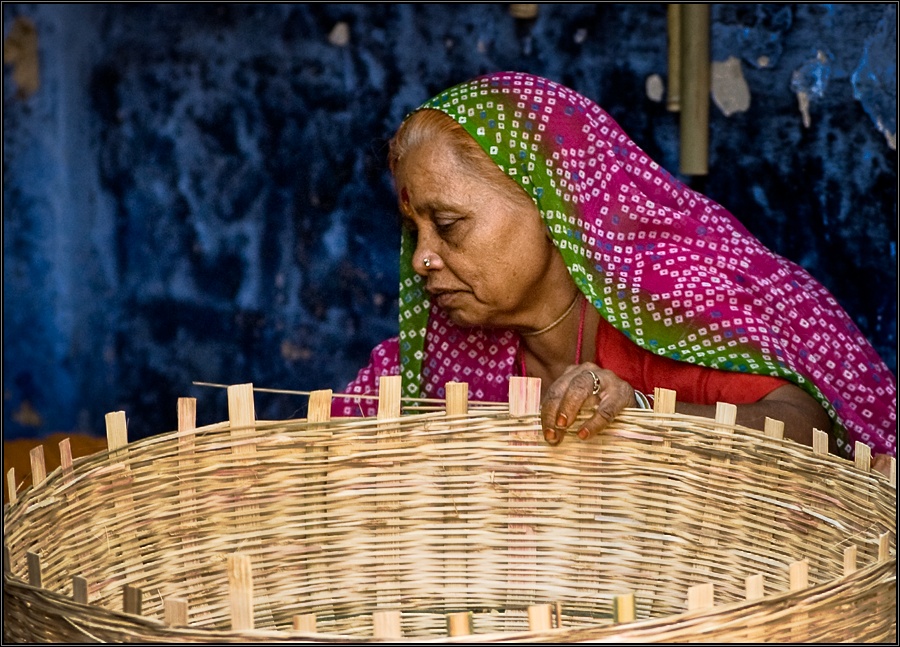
645 370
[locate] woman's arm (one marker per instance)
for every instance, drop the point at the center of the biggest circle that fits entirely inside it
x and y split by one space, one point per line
790 404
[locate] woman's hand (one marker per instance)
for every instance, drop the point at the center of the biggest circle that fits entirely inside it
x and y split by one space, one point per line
583 386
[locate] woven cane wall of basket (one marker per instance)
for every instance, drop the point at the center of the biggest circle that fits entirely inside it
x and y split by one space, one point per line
433 525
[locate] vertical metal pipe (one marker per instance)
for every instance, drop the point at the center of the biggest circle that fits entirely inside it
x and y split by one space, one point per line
673 96
695 88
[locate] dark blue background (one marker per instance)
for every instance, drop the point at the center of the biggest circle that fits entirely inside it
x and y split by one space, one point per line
199 192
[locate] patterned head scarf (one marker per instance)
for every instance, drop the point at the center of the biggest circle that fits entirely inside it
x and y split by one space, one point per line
667 266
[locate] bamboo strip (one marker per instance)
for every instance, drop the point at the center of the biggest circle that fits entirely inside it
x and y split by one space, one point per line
116 433
884 547
240 586
175 612
65 460
820 442
389 390
524 396
319 409
11 484
457 398
850 559
755 587
623 608
664 400
459 623
774 428
862 456
700 597
35 577
539 617
305 622
798 578
38 466
242 417
386 624
80 589
132 599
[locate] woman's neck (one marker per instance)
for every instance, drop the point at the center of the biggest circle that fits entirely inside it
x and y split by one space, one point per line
548 355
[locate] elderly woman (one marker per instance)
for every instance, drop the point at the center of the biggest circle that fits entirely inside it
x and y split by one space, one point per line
539 240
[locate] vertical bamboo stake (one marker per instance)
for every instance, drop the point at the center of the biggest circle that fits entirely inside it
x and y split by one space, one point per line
774 429
11 484
187 423
663 401
389 389
524 400
850 559
862 456
754 587
539 617
34 569
459 623
132 598
820 442
79 589
623 608
884 547
240 585
798 580
65 459
319 408
116 433
524 396
38 466
695 89
389 392
305 622
457 398
242 417
175 612
700 596
455 570
557 614
318 414
892 478
673 100
386 624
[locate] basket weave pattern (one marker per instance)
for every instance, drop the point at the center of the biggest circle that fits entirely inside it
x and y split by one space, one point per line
431 514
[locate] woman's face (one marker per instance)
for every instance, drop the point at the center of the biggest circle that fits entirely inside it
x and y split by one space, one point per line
491 263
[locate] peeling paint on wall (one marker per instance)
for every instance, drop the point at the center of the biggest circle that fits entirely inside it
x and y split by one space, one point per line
730 91
875 79
20 50
809 82
655 88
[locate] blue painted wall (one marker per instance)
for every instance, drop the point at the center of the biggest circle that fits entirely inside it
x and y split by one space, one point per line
198 191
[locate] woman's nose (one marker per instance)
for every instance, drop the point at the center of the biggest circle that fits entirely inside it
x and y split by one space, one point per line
425 259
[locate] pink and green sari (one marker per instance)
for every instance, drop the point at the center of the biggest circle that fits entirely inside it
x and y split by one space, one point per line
667 266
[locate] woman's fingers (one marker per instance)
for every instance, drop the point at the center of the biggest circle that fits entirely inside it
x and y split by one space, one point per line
882 463
586 385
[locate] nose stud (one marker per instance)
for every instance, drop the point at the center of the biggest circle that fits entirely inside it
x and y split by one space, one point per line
426 262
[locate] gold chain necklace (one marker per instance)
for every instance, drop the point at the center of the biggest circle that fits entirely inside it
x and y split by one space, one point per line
555 323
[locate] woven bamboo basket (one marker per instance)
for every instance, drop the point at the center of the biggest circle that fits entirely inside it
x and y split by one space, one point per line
454 525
